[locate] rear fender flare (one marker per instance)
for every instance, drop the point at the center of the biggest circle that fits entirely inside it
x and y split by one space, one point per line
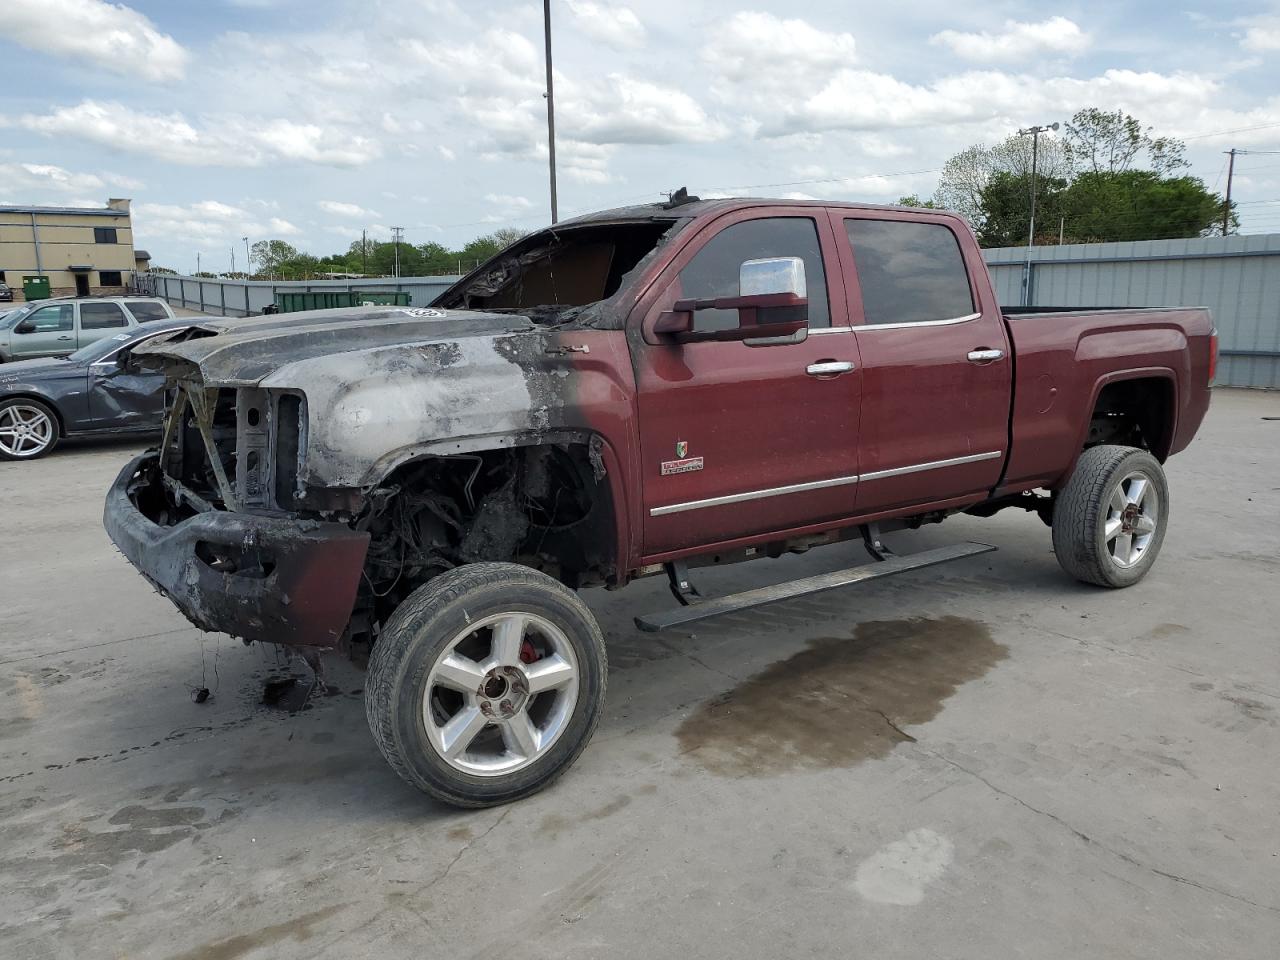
1117 376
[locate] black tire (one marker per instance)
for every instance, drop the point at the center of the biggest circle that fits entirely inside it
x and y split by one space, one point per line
1085 507
421 631
53 427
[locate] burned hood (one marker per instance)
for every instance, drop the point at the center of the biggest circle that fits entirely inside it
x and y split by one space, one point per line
247 352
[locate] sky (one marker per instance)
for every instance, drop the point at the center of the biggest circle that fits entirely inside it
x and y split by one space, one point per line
310 120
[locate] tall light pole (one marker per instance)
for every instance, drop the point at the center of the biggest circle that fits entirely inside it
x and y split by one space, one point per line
1031 233
248 260
551 110
1226 207
397 234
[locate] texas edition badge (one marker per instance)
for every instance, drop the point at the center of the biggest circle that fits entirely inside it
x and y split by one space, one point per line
684 463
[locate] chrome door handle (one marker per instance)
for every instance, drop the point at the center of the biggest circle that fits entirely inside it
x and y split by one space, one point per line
828 368
985 356
65 338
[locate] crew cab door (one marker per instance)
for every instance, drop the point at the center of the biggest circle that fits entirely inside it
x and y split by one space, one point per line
935 360
738 440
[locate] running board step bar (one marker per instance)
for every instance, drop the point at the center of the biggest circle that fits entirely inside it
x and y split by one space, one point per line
735 602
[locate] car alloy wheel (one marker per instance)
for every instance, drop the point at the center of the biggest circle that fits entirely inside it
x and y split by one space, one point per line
500 694
25 430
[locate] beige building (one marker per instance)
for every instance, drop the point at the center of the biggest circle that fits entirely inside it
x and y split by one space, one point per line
81 250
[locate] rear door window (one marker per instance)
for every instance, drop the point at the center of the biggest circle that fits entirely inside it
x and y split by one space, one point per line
146 310
713 271
909 272
101 316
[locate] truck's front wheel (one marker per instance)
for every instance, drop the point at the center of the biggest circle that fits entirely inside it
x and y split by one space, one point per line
486 684
1109 520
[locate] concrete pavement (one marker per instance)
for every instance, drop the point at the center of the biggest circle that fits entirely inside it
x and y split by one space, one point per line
980 760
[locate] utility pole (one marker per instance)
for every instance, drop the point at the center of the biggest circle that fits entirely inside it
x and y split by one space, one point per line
233 259
248 260
551 110
1226 206
364 251
197 262
1031 233
397 234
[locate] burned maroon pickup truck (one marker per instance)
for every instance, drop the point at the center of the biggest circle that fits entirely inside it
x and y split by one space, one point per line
641 391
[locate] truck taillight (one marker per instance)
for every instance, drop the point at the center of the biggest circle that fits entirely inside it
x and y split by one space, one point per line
1213 355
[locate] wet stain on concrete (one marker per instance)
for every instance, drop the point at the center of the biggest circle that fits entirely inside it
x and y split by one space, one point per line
145 818
1167 631
1253 709
553 823
839 701
460 834
299 929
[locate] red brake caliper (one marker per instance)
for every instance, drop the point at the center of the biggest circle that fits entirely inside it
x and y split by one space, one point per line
528 654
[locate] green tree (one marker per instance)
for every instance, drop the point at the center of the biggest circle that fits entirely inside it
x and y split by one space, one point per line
269 254
1006 207
1099 141
913 200
1104 206
966 175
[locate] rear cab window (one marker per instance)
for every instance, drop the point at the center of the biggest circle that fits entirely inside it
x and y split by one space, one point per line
714 269
909 272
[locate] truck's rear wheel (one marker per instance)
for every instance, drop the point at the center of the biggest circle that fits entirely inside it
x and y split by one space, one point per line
1109 520
486 684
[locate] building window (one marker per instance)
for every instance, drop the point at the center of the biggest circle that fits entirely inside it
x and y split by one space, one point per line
104 235
110 278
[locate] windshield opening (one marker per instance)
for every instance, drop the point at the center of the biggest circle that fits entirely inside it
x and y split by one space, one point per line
566 268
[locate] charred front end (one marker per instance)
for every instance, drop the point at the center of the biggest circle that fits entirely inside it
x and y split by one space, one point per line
302 489
211 519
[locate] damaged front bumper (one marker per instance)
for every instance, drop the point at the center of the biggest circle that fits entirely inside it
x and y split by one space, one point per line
277 580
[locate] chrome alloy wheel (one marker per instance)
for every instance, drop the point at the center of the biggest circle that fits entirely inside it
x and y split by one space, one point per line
500 694
1131 520
25 430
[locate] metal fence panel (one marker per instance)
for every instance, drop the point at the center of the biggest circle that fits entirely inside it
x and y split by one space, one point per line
1238 278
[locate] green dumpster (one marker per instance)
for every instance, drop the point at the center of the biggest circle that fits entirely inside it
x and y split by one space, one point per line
294 302
400 299
36 288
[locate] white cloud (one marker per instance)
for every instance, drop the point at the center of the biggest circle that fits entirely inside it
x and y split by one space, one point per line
44 177
36 181
622 109
1016 41
613 24
282 228
108 35
1262 34
763 51
340 209
205 222
228 140
508 203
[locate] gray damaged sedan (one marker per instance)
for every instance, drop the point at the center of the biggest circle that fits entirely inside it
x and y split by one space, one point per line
97 390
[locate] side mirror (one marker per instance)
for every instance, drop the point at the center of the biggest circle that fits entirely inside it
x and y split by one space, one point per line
772 305
26 326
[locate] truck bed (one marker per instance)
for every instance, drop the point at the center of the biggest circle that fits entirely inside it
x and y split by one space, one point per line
1061 367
